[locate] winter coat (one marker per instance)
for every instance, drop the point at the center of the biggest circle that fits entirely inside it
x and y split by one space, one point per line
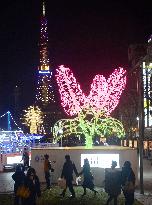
127 174
88 178
34 187
113 182
18 177
67 171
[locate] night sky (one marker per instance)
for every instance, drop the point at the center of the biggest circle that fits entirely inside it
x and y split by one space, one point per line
90 38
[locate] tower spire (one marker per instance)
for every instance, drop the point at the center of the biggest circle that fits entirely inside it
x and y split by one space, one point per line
43 8
44 55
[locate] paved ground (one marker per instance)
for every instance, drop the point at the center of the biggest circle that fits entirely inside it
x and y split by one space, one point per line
6 184
148 176
147 198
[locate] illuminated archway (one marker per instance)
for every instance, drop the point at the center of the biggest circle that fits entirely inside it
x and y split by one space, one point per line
90 124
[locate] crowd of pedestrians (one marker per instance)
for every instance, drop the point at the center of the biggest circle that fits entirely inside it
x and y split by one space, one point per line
116 180
27 186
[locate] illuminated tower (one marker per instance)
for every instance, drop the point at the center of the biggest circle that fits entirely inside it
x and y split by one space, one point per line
45 97
45 91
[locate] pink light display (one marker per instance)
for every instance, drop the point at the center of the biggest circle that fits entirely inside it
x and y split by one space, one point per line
71 94
104 94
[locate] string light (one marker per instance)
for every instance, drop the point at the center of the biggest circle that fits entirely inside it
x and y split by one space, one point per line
14 122
33 119
44 57
93 110
72 98
3 114
9 113
45 91
89 123
104 94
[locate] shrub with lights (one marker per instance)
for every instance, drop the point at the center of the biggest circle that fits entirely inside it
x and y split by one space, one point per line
91 114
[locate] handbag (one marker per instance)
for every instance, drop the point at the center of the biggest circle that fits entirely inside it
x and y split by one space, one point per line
62 183
129 187
23 192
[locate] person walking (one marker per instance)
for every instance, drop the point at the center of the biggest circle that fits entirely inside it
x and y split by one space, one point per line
113 183
67 174
33 184
88 178
25 158
18 178
128 183
47 168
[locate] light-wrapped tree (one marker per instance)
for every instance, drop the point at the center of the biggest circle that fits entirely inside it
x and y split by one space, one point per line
33 119
93 111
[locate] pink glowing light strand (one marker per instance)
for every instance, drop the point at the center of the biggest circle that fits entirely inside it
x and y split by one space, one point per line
116 84
72 97
97 95
104 95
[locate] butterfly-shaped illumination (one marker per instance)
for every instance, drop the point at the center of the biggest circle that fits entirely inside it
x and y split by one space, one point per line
104 94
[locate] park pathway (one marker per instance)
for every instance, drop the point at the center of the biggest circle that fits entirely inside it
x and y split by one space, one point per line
6 184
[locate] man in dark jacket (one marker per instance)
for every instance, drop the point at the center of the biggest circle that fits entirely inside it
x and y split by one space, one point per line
18 178
25 158
67 174
113 183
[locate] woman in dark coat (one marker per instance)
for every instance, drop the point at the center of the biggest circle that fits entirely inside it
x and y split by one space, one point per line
32 182
128 176
18 178
88 178
113 183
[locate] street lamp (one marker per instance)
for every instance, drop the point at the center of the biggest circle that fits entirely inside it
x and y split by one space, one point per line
137 133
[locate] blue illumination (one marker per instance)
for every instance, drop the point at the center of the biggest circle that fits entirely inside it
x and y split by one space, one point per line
9 118
44 71
8 121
